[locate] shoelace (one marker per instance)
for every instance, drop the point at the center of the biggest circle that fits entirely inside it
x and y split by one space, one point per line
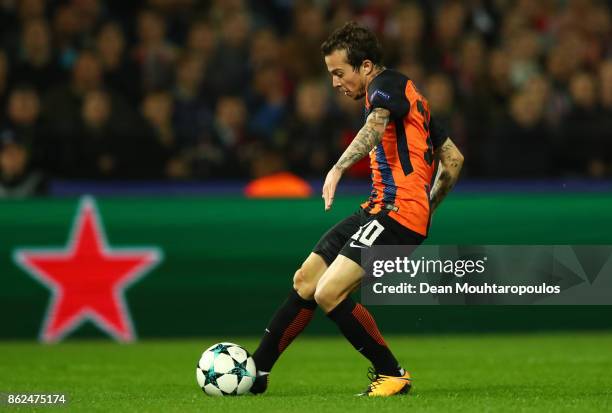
374 378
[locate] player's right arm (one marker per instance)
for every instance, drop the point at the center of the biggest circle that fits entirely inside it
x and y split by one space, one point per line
366 139
450 162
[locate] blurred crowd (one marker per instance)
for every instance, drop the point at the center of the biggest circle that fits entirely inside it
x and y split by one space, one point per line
227 89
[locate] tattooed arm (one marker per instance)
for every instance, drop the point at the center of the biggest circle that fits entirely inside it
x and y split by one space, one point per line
451 161
367 138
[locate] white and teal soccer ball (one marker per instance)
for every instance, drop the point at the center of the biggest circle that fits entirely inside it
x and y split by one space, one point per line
225 369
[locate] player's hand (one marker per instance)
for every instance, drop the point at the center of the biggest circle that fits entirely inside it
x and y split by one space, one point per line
329 187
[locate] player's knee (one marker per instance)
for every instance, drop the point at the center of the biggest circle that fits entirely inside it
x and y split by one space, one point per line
303 284
326 298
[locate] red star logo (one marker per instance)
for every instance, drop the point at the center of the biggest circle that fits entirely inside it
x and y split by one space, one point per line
87 278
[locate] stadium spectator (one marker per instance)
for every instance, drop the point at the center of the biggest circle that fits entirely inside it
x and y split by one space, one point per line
66 31
98 141
441 96
216 57
471 66
541 89
302 54
605 80
120 73
160 141
448 24
62 103
312 142
12 18
221 9
406 41
439 89
90 13
519 146
341 12
499 85
153 54
524 49
157 109
267 102
231 73
30 9
416 71
17 177
226 150
192 109
23 118
201 40
265 49
4 77
36 63
375 15
583 129
62 110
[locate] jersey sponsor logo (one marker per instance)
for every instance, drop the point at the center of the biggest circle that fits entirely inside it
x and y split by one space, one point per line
87 278
352 244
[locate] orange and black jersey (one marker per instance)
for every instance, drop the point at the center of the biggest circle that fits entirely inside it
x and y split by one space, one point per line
403 162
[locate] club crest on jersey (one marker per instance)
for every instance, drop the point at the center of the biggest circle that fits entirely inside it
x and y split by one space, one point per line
382 94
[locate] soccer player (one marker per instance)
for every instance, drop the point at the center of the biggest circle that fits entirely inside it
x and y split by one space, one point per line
406 147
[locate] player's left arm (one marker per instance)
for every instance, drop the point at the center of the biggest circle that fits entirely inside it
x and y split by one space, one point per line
450 163
366 139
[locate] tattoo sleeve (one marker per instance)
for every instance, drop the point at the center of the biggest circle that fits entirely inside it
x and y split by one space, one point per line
451 161
367 138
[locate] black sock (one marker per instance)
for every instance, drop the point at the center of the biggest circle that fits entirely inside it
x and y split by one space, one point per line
286 324
359 327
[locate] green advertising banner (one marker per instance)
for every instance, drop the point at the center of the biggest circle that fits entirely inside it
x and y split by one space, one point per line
193 266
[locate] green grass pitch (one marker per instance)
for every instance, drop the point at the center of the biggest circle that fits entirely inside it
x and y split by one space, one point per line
514 373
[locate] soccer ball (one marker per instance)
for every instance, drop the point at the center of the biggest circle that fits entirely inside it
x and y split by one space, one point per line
225 369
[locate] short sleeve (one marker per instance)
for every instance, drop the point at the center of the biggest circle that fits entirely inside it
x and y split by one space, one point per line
388 92
437 132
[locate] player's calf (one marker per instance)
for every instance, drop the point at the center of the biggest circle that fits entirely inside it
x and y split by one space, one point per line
286 324
289 320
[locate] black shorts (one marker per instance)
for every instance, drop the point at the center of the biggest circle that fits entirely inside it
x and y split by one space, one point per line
362 230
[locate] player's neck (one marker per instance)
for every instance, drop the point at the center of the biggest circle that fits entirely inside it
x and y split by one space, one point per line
377 70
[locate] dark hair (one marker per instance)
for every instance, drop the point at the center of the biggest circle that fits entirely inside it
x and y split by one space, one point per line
360 44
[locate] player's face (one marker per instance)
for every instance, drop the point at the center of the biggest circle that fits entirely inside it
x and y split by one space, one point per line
344 77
